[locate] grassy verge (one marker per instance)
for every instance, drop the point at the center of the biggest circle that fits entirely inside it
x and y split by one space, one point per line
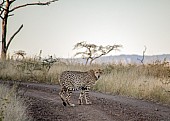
11 107
136 81
149 82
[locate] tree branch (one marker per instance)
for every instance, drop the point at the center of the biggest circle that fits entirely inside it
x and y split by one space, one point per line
11 1
1 11
1 17
105 50
2 3
81 53
11 15
32 4
143 56
13 36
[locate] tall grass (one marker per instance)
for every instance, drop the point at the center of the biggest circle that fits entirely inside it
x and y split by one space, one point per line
12 108
143 82
149 81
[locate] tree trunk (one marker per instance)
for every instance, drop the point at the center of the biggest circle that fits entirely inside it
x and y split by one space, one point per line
91 61
87 60
4 29
3 55
4 32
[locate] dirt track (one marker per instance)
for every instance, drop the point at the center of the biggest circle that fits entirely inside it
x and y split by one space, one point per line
45 105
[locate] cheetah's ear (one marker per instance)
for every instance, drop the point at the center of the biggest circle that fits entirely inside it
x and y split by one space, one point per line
101 71
91 71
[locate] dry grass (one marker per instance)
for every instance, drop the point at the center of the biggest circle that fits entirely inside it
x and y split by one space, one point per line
149 82
11 107
136 81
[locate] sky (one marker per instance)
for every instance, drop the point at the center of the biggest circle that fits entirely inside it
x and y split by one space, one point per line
56 28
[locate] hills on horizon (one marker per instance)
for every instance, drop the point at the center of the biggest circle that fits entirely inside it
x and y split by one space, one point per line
128 58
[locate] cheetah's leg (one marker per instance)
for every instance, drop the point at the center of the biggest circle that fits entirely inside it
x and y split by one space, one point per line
69 92
80 101
62 92
87 97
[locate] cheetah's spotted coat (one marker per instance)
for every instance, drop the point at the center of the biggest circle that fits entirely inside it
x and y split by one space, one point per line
76 80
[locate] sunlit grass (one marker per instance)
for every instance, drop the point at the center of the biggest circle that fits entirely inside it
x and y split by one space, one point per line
149 81
128 84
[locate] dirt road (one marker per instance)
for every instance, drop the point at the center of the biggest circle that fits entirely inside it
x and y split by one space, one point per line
45 105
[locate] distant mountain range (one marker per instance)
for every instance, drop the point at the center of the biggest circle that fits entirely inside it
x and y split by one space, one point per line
128 59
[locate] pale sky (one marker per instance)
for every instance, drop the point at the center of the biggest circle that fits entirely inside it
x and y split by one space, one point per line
55 29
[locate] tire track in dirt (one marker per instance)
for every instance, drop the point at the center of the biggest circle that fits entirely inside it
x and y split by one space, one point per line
78 113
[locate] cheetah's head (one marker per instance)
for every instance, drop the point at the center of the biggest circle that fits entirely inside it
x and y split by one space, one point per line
97 73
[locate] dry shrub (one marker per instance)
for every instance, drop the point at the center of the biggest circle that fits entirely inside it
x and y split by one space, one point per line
12 108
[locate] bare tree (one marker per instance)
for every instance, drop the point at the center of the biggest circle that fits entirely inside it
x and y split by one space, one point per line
143 56
6 10
92 51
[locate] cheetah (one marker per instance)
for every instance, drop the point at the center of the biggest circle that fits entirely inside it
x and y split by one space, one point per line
76 80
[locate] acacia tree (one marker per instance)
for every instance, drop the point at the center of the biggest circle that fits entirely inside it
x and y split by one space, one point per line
20 54
92 51
6 11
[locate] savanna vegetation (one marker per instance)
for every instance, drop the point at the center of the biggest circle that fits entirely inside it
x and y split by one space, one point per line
143 81
12 108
